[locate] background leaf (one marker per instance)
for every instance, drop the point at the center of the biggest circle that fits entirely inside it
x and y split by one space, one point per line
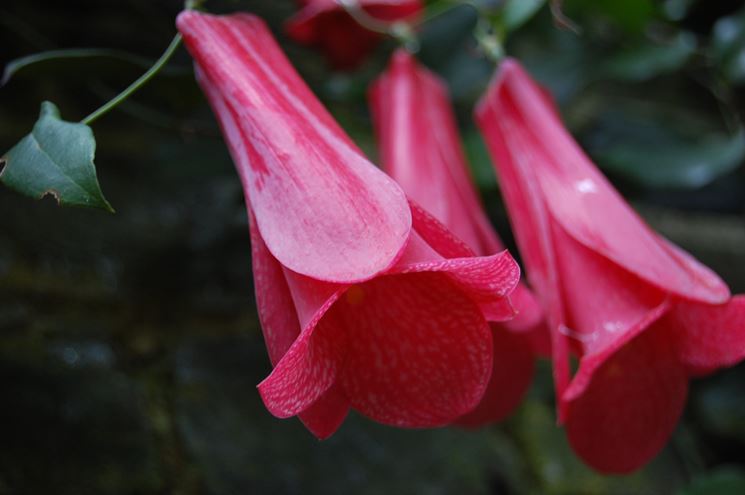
729 46
57 159
518 12
724 481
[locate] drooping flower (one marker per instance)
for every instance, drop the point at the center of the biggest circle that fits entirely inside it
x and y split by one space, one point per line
642 315
364 300
326 25
420 149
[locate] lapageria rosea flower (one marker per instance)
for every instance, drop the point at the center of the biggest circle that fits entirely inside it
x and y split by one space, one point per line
642 315
420 149
326 24
364 300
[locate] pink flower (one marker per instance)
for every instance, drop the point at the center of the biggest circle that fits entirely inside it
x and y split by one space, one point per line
642 315
364 300
420 149
326 25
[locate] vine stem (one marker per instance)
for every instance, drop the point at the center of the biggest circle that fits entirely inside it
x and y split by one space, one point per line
142 80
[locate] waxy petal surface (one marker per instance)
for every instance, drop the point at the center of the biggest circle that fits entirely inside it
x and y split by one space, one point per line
323 210
421 353
421 150
512 373
604 302
326 415
641 313
587 206
514 157
307 370
631 405
279 324
709 337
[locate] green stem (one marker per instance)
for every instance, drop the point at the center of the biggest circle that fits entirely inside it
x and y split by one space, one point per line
141 81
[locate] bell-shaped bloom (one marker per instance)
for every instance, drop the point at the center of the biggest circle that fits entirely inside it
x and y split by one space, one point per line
420 149
365 301
640 313
326 25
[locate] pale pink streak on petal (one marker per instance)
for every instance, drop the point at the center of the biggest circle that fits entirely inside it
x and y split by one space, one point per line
512 154
587 206
321 207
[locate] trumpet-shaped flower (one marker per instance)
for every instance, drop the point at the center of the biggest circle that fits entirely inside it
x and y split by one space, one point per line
641 314
365 301
420 149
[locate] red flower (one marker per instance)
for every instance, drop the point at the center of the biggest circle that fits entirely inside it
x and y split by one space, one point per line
642 314
364 301
420 149
325 24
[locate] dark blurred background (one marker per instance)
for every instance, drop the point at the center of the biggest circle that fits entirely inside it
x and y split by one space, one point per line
129 343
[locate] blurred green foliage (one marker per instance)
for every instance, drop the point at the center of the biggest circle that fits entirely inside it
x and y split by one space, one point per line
129 344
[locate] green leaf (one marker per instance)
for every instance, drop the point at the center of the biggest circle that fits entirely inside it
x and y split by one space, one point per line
728 43
655 141
57 159
647 60
676 163
629 15
517 12
723 481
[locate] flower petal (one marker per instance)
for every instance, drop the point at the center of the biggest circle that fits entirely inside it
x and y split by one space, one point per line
488 280
279 323
321 207
277 315
603 301
630 406
512 372
420 149
709 337
587 206
327 414
420 352
306 371
513 153
436 235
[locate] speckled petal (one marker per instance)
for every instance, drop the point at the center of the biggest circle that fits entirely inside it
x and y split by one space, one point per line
709 337
420 353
